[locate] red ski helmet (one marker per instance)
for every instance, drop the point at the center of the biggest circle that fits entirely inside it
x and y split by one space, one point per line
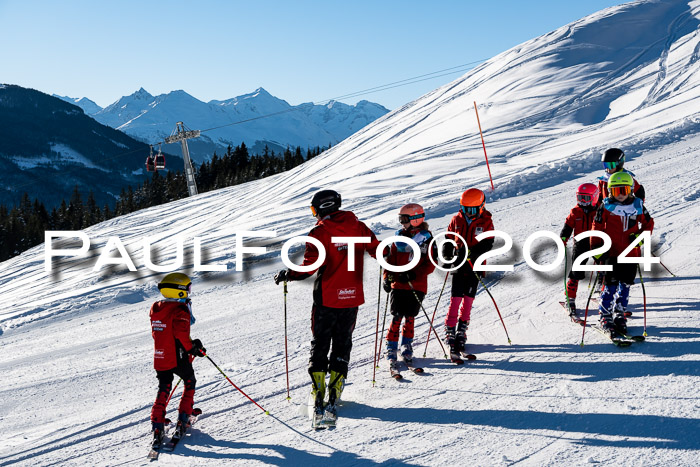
472 202
587 194
412 213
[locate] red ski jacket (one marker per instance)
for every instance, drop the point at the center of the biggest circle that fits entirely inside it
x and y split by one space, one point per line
469 231
170 327
578 221
335 286
620 221
400 254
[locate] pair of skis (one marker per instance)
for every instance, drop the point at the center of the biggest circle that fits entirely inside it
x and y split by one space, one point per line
410 364
458 358
169 446
617 338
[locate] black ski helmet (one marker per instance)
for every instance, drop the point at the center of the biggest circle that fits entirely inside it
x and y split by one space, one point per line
613 159
325 202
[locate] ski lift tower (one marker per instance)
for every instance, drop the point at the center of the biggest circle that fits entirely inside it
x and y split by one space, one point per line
182 134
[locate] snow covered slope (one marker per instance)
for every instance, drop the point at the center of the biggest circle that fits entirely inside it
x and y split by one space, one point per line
78 383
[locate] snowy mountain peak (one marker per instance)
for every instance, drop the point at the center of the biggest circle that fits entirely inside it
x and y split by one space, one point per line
142 94
151 118
88 106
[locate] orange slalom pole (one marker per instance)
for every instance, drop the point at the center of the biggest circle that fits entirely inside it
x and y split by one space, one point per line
483 145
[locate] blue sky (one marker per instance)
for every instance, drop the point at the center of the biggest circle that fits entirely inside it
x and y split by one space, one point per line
300 51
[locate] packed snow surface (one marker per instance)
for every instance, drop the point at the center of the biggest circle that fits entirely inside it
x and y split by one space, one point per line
78 381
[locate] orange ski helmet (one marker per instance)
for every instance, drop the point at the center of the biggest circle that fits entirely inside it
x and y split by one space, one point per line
412 213
472 202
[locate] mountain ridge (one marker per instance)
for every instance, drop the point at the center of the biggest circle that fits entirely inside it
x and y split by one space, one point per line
255 118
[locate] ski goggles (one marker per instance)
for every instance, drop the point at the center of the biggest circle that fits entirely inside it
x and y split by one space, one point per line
472 211
165 285
313 211
620 190
610 166
584 199
405 218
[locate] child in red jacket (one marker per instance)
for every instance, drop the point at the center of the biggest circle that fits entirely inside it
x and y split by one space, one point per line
173 351
407 289
623 217
579 220
471 221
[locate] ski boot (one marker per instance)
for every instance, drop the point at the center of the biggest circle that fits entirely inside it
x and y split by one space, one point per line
461 335
335 389
620 323
392 348
407 351
450 336
183 422
391 356
158 435
318 393
605 320
571 307
451 341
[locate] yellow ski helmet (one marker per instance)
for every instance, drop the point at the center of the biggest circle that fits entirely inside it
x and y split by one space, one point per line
175 285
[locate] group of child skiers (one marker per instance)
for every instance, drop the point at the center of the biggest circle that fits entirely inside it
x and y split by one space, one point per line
614 206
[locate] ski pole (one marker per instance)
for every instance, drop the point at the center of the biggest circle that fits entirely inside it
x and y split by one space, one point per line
492 299
426 317
381 340
432 320
566 292
376 331
590 279
237 388
664 266
286 353
644 294
585 316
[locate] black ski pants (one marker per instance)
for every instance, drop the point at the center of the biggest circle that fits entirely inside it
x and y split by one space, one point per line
579 249
332 330
404 303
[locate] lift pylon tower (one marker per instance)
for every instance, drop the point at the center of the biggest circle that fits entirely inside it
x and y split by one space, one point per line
182 134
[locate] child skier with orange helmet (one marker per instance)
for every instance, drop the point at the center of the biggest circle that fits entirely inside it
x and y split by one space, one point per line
471 221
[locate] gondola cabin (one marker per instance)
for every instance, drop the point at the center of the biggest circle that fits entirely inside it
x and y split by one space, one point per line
160 161
151 164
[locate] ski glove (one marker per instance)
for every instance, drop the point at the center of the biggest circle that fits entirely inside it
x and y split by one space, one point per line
282 276
448 252
386 284
404 277
198 349
564 239
633 237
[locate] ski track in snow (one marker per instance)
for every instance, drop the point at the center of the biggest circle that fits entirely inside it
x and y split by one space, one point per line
77 377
